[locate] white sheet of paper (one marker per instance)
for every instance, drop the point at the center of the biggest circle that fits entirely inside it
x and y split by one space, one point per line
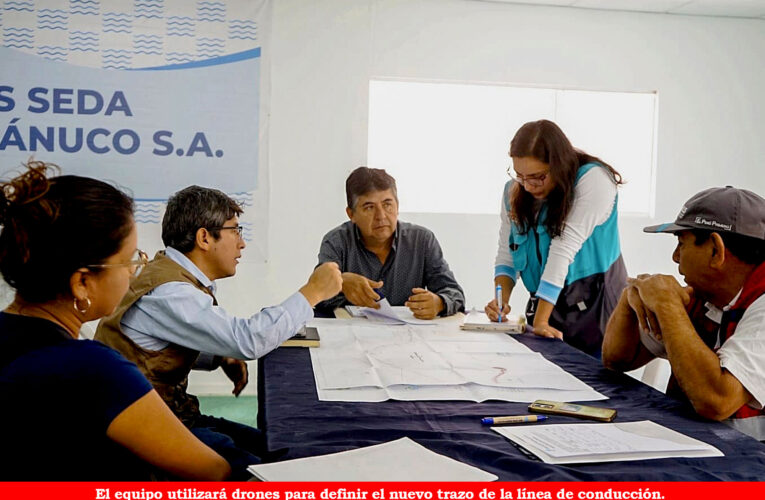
365 361
399 460
605 442
464 392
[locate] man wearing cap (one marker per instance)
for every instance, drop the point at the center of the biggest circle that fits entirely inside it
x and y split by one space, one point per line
712 331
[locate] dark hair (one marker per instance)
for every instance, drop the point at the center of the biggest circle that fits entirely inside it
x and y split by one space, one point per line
546 142
53 226
364 180
193 208
747 249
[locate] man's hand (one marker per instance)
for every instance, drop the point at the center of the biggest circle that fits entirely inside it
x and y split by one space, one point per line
325 282
646 318
660 291
424 304
236 371
492 310
359 290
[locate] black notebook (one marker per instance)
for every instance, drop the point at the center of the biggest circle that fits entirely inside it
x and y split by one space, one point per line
305 337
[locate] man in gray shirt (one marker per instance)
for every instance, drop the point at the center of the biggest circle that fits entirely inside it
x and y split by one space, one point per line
380 256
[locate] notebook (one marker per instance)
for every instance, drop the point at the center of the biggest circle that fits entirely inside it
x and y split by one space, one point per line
308 336
478 321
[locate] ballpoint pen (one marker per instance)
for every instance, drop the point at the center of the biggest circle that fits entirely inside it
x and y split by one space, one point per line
514 419
498 294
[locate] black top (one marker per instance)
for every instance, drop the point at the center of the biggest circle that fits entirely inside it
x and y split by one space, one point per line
416 260
58 396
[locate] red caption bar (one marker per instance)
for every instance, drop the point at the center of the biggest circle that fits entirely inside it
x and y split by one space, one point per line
378 491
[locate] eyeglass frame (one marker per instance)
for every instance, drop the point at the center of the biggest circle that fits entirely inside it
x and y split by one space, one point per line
537 181
239 229
139 263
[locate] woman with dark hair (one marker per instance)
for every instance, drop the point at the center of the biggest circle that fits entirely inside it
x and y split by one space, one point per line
76 409
559 233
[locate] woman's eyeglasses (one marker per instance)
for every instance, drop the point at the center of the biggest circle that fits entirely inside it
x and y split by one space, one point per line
134 266
535 180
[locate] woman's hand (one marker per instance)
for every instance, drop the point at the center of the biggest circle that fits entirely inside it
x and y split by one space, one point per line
543 329
492 310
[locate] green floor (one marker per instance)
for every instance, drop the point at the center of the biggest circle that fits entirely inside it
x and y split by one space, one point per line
243 409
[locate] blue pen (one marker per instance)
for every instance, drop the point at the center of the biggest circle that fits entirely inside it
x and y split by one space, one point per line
498 292
515 419
378 291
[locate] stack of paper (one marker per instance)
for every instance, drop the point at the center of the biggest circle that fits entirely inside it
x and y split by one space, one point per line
400 460
586 443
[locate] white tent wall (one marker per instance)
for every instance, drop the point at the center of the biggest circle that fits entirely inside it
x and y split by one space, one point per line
708 72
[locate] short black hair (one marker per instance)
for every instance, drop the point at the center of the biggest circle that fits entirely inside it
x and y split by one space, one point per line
192 208
364 180
747 249
53 226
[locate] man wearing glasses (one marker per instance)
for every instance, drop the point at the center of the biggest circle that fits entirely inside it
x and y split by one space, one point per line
169 321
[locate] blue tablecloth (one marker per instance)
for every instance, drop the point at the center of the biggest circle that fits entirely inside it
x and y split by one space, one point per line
294 418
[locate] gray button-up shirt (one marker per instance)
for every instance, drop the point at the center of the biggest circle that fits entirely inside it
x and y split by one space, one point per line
416 260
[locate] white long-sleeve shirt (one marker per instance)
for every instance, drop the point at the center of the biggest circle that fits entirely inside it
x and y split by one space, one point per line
181 314
594 198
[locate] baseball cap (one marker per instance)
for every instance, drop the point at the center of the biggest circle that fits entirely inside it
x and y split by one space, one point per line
720 209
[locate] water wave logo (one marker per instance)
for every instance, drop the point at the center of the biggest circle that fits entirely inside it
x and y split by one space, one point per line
148 212
180 26
243 198
210 47
179 57
116 58
147 44
52 19
242 29
18 38
248 231
211 11
85 7
83 41
19 5
117 22
53 52
149 9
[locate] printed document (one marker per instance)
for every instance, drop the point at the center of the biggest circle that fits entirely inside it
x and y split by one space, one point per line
399 460
613 442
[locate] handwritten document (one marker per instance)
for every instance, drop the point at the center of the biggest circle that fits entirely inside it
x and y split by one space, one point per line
583 443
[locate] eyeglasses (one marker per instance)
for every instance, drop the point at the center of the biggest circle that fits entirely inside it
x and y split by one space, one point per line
134 266
237 228
535 180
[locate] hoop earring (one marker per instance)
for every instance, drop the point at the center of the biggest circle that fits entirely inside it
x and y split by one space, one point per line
81 310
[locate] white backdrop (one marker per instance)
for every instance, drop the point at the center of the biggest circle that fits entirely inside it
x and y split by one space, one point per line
708 73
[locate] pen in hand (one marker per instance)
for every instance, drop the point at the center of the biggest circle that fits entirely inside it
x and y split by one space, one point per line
498 294
515 419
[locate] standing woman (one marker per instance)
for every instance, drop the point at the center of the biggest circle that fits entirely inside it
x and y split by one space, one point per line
559 233
76 409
